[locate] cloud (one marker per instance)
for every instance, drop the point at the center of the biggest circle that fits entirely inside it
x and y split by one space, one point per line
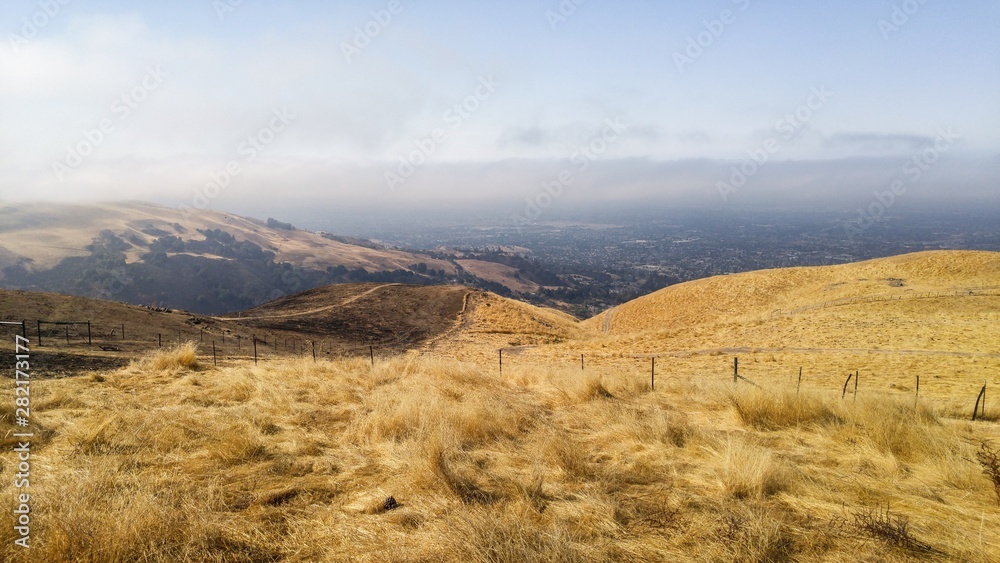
530 136
878 142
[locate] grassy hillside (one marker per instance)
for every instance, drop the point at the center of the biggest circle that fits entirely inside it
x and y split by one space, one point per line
761 295
424 459
47 233
389 315
433 454
200 260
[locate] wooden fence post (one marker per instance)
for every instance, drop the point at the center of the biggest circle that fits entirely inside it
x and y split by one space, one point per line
736 369
799 384
652 374
371 354
844 393
215 360
254 350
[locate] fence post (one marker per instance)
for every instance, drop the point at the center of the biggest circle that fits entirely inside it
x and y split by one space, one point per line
89 341
123 331
313 342
736 369
857 376
255 350
581 362
501 361
652 374
159 340
24 329
371 354
39 333
215 360
67 334
799 384
975 409
844 393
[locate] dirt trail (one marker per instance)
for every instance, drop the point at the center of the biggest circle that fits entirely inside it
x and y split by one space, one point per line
606 324
461 322
347 301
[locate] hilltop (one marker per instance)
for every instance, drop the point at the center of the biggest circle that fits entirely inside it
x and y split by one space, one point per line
340 319
41 235
763 294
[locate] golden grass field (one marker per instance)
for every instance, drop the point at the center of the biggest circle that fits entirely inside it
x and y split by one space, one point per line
171 459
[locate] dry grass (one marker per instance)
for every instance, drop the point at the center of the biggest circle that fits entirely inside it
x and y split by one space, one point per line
181 357
296 461
748 470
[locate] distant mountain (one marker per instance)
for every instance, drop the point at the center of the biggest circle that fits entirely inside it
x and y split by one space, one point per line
199 260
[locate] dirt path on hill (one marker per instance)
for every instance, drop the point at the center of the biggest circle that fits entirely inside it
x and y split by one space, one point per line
606 323
311 311
461 321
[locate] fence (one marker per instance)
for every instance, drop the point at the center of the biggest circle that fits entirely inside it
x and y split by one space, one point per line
22 324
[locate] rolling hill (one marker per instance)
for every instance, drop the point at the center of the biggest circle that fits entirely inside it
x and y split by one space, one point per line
200 260
788 291
341 319
426 452
44 234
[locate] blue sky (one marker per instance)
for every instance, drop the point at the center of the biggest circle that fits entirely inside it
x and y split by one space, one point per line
540 80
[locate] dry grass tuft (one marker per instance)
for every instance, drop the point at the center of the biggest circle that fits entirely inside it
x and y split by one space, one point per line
989 459
514 532
749 471
460 480
892 529
774 409
181 357
753 533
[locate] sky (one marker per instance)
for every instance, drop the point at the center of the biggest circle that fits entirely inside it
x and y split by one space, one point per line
523 105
